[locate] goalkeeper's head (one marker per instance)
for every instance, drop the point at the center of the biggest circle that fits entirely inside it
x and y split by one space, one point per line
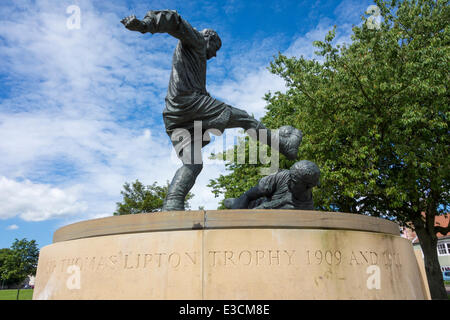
304 175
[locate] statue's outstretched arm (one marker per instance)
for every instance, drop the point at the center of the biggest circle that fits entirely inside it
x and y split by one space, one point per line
165 21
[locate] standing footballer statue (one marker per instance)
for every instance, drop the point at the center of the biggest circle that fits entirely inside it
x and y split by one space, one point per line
188 102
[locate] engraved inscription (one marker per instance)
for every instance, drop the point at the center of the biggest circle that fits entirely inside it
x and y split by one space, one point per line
384 258
329 257
353 258
264 257
314 257
125 261
251 257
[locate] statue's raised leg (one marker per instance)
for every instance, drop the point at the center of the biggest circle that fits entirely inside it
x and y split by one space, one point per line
286 139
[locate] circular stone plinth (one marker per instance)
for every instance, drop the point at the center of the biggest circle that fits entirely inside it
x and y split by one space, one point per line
231 254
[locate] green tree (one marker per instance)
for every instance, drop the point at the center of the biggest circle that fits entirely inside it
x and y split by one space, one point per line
375 118
19 262
138 198
4 256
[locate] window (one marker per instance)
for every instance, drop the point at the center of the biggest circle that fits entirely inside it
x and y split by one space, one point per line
443 248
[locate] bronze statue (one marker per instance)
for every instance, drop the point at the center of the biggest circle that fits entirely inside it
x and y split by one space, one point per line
286 189
187 101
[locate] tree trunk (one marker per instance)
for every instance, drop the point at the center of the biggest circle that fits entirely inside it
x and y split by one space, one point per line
18 291
428 243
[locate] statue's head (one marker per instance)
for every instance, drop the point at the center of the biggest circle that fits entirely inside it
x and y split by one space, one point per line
304 175
213 42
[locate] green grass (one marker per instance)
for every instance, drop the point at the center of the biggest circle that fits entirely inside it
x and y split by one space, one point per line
25 294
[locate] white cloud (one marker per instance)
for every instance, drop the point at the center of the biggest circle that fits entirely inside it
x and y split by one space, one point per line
247 93
82 111
252 80
36 202
12 227
303 45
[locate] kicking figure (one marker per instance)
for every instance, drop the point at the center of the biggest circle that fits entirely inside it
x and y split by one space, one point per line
187 101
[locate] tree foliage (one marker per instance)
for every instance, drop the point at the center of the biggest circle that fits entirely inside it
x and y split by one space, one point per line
5 255
19 261
138 198
375 118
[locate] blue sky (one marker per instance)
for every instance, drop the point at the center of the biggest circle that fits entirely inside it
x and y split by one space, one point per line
80 109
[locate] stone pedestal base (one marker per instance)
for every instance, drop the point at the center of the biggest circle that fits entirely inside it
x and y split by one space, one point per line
233 254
